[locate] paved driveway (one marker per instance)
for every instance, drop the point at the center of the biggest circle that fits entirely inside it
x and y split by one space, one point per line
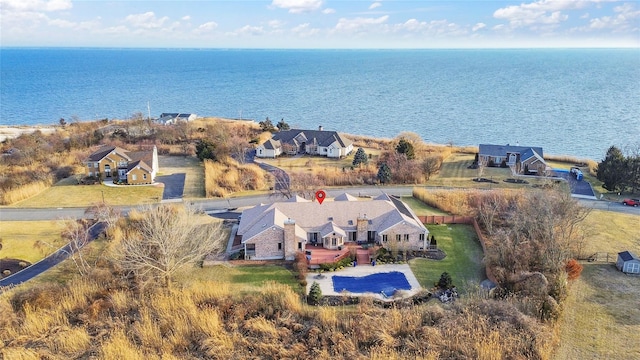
578 188
173 186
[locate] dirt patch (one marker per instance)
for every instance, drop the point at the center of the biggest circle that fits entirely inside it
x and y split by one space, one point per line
9 267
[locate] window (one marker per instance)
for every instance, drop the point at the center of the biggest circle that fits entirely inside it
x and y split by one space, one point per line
299 245
384 238
406 237
144 176
350 222
279 246
398 237
421 237
134 177
352 236
90 173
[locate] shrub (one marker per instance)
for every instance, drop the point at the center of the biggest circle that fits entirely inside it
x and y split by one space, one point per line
445 281
574 269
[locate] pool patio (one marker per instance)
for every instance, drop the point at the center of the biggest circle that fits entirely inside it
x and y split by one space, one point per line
326 283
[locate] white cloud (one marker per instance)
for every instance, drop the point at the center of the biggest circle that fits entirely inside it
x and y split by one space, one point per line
305 30
207 27
375 5
359 23
539 12
584 16
147 20
298 6
185 18
250 30
478 26
328 11
625 21
36 5
275 24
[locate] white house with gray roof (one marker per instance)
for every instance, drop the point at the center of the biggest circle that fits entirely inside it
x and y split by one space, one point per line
312 142
279 230
524 159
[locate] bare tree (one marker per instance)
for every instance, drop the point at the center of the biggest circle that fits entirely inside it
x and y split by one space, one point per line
431 165
76 232
483 162
164 239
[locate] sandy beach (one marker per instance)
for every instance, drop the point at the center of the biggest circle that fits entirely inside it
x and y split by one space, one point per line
11 132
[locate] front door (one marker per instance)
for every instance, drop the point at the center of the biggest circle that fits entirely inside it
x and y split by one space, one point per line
122 174
107 171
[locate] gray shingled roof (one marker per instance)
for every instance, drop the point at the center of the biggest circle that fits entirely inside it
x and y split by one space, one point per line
502 150
383 213
627 255
316 137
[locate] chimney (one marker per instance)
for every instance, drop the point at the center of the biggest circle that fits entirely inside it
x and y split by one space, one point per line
290 243
362 227
320 128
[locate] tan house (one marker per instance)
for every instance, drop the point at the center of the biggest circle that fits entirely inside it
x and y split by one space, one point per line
523 159
126 167
279 230
312 142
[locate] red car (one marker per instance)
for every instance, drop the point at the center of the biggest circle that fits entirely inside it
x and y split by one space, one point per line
631 202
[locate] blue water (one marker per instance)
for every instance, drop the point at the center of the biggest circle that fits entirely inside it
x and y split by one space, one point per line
374 283
575 102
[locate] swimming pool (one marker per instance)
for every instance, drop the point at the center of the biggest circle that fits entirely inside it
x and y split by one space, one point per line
386 283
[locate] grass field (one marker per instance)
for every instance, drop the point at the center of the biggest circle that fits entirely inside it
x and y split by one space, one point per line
247 278
19 239
463 261
420 208
191 166
317 163
66 193
602 310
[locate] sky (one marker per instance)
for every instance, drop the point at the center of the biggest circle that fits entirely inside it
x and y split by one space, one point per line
320 24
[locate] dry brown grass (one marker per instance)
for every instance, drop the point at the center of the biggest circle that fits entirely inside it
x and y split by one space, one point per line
228 176
208 320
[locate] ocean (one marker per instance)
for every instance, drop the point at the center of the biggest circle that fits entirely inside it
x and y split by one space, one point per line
574 102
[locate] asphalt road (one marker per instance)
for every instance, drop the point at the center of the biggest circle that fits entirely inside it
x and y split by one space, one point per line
50 261
212 205
173 186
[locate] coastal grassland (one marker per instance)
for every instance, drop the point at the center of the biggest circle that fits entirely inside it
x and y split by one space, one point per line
30 240
227 176
599 313
67 193
463 261
193 169
316 164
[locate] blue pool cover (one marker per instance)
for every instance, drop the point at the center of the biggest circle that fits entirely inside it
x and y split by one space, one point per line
386 283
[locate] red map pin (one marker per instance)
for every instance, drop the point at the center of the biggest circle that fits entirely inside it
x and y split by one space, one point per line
320 195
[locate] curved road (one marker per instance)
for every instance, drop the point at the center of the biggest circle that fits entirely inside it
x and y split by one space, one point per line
50 261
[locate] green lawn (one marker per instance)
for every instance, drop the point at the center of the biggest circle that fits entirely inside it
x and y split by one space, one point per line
420 208
66 193
244 278
463 261
19 239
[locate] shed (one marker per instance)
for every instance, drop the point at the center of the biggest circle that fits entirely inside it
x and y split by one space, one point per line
628 263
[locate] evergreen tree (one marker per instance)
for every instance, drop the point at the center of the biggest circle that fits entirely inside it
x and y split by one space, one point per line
612 171
405 147
633 172
384 173
267 125
315 294
282 125
360 158
445 281
206 149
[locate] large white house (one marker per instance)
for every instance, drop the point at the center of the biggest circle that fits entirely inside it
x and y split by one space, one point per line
313 142
279 230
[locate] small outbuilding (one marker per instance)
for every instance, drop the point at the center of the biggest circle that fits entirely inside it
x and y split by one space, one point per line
628 263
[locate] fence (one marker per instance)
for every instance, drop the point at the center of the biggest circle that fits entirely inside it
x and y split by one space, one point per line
602 257
469 220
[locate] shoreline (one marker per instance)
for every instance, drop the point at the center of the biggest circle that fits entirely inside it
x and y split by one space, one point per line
13 131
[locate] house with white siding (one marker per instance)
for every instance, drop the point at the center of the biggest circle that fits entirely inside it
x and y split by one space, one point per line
312 142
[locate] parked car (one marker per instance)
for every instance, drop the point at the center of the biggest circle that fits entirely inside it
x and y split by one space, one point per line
631 202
